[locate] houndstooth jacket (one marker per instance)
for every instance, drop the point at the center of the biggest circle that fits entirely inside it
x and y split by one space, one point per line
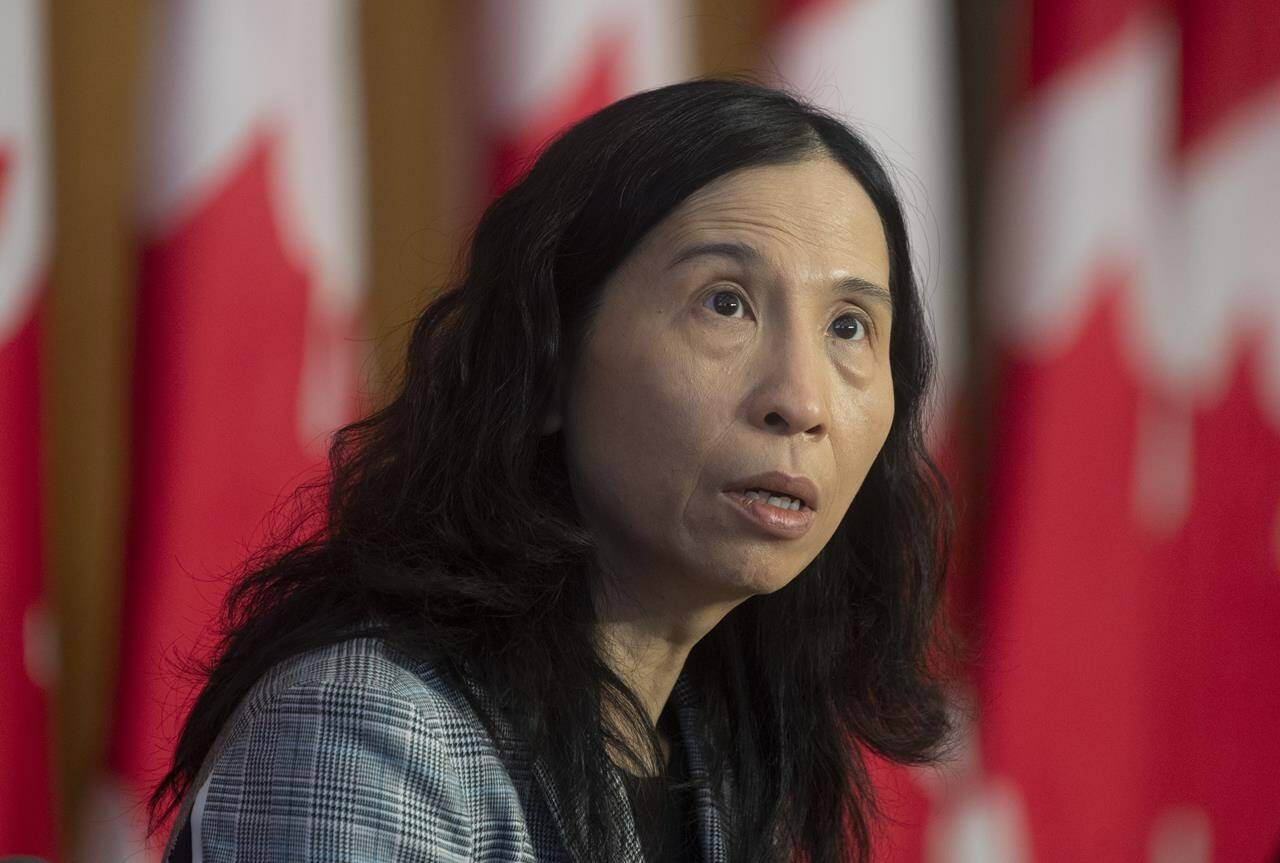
355 752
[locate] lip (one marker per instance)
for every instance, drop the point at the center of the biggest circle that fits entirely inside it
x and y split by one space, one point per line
796 486
769 519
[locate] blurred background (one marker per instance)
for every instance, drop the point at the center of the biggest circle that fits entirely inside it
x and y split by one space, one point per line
217 217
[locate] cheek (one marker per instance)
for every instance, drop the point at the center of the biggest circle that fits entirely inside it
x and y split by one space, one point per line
884 411
636 430
866 428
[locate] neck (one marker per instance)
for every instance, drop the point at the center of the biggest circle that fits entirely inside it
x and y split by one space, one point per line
645 640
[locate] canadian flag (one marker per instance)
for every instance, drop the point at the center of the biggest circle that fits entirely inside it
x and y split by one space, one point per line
26 804
252 243
887 68
1221 548
549 63
1130 689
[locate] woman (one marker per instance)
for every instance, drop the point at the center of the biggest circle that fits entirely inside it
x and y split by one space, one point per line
644 554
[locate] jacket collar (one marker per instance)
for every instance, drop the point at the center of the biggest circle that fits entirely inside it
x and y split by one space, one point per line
711 836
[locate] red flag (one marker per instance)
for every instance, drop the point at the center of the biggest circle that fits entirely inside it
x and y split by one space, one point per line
26 804
1222 561
249 297
1070 717
547 65
1129 686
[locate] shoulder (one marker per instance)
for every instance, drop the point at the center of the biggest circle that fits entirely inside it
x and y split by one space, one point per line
355 674
350 751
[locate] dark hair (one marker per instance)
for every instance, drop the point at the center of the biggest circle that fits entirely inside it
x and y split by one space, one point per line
447 517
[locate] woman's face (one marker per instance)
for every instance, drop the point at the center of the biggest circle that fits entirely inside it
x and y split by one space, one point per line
747 333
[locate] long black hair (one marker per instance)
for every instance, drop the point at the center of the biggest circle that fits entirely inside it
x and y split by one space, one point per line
446 515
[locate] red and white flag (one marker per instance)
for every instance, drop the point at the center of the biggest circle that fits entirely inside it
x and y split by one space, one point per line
549 63
26 801
887 67
1130 690
250 295
1069 723
1219 778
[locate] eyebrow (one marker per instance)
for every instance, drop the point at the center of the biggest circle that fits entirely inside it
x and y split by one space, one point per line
749 256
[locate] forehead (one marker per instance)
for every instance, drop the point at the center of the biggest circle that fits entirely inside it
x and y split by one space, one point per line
815 209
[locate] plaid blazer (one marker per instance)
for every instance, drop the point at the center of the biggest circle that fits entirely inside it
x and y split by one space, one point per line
355 752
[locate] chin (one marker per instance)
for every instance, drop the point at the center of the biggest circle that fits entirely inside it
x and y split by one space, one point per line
752 578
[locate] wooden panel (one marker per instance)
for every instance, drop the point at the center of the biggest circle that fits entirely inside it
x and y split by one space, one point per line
730 35
414 82
94 51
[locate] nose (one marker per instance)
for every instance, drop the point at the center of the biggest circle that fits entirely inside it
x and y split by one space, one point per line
792 394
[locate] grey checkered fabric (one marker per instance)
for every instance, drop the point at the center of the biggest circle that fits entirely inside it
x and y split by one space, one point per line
355 752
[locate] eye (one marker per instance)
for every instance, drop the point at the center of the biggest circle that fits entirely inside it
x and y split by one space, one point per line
726 303
850 327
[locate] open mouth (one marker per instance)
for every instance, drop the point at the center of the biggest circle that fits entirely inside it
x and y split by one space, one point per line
777 499
772 514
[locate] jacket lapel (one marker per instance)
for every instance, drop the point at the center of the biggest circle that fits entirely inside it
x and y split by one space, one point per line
710 825
631 852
